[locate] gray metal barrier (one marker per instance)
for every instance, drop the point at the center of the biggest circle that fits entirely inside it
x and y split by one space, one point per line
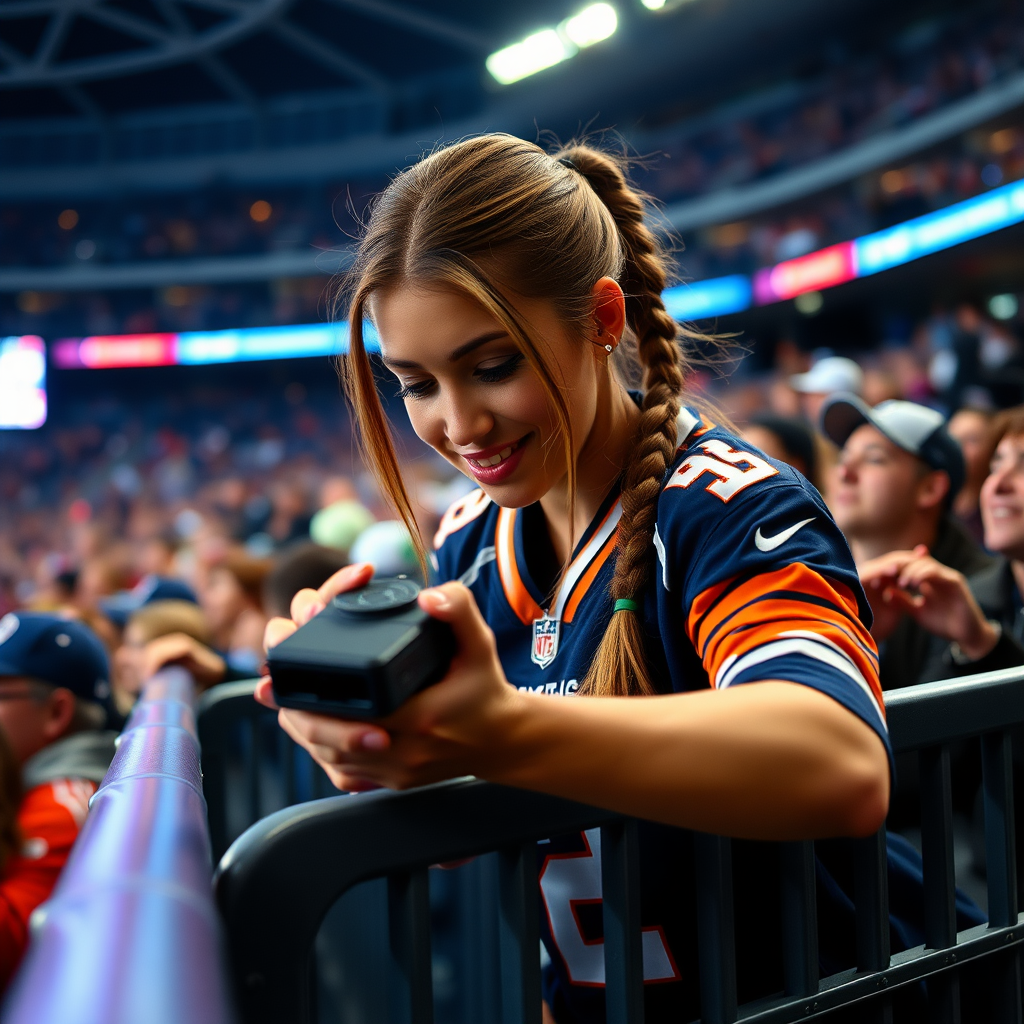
130 934
251 767
278 880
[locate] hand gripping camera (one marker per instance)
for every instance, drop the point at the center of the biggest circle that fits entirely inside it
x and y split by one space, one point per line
368 651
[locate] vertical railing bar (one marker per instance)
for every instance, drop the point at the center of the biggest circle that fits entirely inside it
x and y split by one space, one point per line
939 878
519 934
623 942
871 894
286 756
252 769
409 941
799 919
716 927
1001 870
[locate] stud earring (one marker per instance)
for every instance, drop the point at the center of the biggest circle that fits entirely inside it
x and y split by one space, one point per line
609 349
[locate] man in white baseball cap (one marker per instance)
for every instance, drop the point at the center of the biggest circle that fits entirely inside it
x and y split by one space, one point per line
828 376
898 472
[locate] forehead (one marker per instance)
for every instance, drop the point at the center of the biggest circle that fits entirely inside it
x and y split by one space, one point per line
868 437
423 314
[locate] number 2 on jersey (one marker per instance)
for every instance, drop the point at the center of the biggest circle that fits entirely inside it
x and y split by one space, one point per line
569 880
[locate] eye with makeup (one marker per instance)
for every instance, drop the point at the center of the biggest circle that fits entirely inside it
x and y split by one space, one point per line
484 374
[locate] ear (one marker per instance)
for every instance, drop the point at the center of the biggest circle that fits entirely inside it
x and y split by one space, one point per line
932 489
609 312
60 710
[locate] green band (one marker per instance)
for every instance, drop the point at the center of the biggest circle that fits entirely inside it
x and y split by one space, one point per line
625 604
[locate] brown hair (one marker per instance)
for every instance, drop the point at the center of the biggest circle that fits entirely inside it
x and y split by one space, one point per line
159 618
495 214
10 800
248 571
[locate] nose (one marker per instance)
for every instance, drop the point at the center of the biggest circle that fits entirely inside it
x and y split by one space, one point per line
467 423
846 470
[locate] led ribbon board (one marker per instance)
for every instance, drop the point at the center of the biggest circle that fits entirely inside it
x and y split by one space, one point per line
22 383
698 300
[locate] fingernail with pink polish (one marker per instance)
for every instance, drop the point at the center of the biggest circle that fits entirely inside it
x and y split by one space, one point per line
374 741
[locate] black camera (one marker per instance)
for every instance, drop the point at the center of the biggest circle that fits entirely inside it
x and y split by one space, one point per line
368 651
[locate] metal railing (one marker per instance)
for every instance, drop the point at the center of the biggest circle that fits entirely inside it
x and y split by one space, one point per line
278 880
251 767
131 934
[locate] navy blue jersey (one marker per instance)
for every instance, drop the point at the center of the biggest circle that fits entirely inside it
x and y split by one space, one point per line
753 582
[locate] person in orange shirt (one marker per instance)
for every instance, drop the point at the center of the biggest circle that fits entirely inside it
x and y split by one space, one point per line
54 694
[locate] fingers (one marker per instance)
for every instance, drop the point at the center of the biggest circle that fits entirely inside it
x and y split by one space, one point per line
264 693
349 578
340 741
305 604
277 630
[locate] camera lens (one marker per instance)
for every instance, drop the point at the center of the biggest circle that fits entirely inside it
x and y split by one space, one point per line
378 596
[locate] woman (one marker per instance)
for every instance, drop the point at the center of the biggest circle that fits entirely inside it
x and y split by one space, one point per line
620 546
231 600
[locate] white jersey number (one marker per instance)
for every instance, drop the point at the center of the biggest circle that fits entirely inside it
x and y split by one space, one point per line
569 879
723 463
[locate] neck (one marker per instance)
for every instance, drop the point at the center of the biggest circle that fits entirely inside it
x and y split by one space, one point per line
598 465
916 531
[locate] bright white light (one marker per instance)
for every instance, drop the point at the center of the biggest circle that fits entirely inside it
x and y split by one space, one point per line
1003 307
535 53
591 25
653 5
22 383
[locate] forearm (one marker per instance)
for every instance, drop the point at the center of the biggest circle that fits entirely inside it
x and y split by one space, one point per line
771 760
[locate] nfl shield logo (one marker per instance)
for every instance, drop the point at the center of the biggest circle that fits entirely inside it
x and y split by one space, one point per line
545 641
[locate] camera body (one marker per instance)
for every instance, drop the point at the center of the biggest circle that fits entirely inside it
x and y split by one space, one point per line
365 654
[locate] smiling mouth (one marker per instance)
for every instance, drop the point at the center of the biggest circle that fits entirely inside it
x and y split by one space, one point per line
494 460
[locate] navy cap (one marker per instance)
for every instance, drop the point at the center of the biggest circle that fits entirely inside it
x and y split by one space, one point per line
119 607
62 652
914 428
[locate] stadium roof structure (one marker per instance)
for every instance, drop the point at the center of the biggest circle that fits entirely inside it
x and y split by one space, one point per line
105 94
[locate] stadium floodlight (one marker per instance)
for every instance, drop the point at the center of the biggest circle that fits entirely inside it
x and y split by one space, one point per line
592 25
536 52
653 5
549 46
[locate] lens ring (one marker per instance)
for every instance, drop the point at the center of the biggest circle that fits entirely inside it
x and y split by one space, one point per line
386 595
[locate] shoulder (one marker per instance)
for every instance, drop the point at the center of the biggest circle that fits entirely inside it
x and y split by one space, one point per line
461 533
51 814
728 510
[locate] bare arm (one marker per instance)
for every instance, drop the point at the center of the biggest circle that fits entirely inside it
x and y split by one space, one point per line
769 760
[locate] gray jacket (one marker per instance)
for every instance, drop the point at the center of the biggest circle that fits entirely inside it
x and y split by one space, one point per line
83 755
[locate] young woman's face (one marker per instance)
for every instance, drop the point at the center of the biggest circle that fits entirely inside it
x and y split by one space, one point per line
473 397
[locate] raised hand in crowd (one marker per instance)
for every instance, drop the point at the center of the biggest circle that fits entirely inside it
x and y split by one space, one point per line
937 597
206 666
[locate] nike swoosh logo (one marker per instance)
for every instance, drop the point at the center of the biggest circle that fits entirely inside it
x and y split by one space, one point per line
771 543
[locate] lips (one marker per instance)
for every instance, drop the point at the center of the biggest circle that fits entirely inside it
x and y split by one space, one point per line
493 465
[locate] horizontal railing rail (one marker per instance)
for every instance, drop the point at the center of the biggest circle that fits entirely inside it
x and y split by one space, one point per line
278 880
131 934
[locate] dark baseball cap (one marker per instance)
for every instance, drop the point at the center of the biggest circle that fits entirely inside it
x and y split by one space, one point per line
914 428
120 606
62 652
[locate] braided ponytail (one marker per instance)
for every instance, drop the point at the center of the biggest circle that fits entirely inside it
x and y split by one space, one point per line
619 667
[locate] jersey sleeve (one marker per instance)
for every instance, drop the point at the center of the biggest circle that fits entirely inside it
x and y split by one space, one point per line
49 819
765 580
456 542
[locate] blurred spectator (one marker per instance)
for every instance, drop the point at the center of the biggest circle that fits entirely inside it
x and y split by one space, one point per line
231 599
296 568
898 472
389 548
971 429
828 376
788 440
118 608
54 692
161 618
340 523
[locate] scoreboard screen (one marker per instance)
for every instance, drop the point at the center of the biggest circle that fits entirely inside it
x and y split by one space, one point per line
22 383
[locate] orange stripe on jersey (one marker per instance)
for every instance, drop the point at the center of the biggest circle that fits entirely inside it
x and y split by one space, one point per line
463 512
516 594
581 588
727 621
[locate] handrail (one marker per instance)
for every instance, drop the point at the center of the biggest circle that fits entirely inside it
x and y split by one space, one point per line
278 879
130 934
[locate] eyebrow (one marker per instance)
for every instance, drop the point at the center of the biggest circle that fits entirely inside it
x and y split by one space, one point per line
454 357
